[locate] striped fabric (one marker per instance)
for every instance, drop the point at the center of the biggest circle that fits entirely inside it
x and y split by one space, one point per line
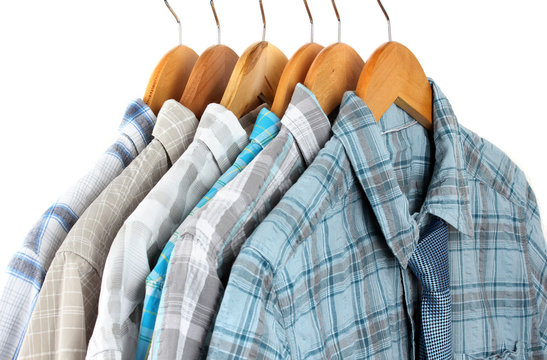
28 267
66 309
265 129
220 138
210 240
326 274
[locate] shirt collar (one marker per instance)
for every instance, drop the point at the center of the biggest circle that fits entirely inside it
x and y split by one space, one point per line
266 127
137 124
448 194
249 120
175 128
307 123
222 133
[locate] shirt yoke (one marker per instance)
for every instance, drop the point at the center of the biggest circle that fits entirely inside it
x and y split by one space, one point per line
486 163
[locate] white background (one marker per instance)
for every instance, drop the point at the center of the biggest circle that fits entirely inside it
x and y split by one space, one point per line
68 69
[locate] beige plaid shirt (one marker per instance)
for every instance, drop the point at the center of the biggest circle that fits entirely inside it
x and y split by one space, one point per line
65 313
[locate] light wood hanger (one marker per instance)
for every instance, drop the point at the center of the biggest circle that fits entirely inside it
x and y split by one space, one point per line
210 75
335 70
295 72
255 77
392 74
171 74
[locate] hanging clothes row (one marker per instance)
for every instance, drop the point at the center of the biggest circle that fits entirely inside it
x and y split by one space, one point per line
261 207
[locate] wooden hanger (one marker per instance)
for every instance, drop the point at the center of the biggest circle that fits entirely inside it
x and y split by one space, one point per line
171 74
295 72
210 75
335 71
393 75
256 75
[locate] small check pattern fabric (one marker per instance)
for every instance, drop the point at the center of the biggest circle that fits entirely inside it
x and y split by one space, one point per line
326 274
27 269
219 140
209 241
147 228
265 129
66 309
430 264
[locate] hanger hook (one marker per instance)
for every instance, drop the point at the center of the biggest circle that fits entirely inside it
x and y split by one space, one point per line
216 19
311 19
176 18
387 18
263 20
339 21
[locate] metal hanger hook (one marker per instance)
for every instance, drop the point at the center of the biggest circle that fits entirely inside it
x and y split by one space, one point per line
339 21
176 18
216 19
311 19
263 20
387 18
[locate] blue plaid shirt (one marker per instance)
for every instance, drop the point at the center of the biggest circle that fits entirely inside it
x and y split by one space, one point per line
326 274
265 129
28 267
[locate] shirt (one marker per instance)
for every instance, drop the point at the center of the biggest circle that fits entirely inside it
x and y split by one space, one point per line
210 240
27 269
265 129
66 309
219 139
326 274
148 228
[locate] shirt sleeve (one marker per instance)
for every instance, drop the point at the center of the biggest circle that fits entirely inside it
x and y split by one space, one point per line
71 283
538 262
249 324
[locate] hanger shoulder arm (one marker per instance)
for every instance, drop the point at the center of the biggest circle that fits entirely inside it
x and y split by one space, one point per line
335 71
209 78
256 73
394 75
295 72
170 77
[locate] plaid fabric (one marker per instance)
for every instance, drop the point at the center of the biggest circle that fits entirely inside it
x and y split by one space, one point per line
431 266
325 275
28 267
122 287
66 309
219 139
211 239
265 129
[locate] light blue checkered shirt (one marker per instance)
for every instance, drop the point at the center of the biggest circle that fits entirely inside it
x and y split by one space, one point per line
28 267
326 274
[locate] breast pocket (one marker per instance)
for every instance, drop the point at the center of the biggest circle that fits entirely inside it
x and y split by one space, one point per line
513 352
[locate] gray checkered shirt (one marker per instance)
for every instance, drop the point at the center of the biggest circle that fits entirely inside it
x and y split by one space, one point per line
210 240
